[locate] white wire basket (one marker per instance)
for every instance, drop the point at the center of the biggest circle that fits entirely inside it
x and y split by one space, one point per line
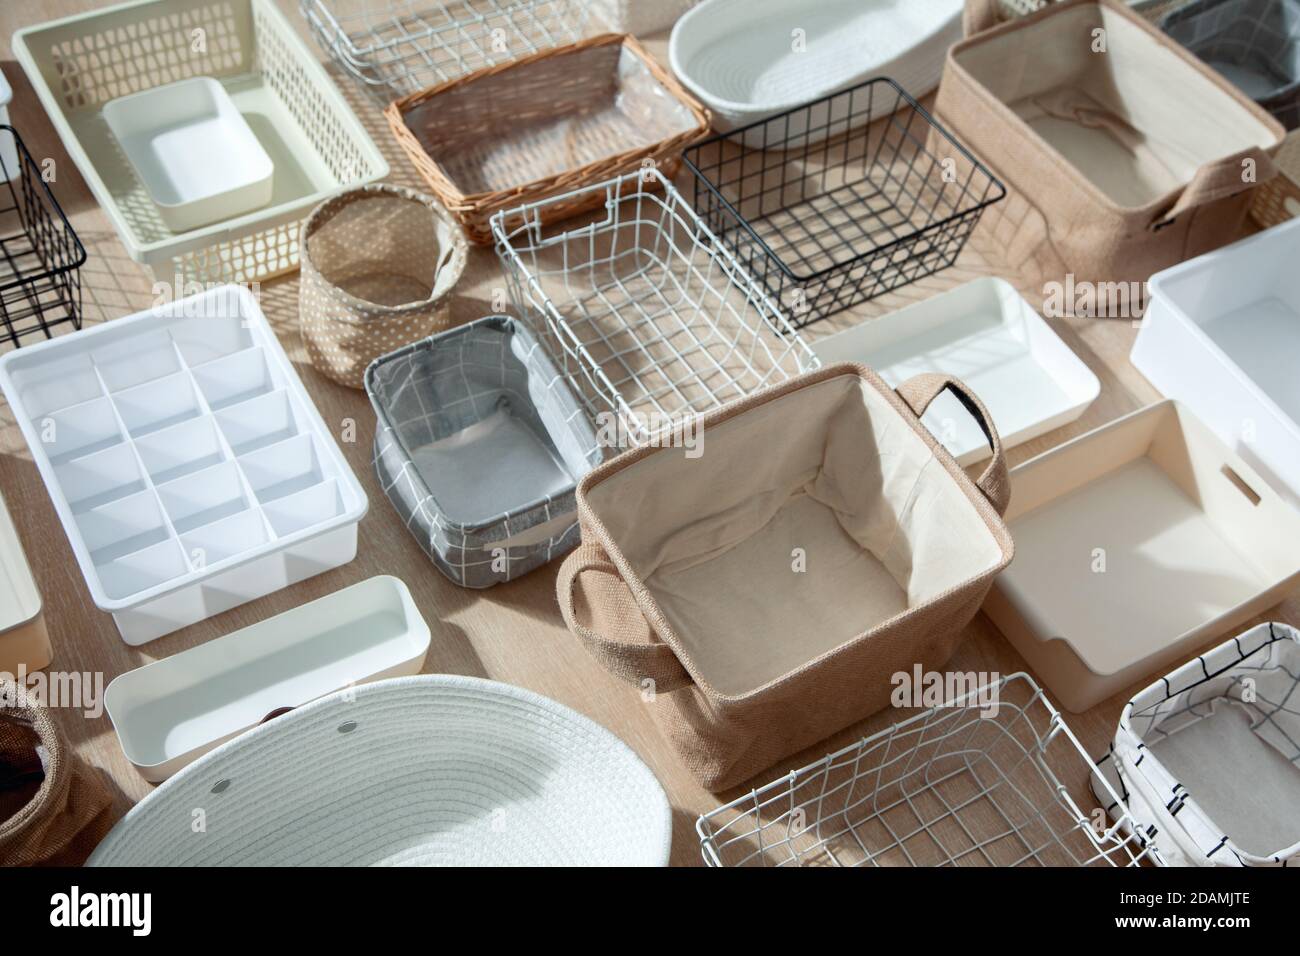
947 787
650 317
396 47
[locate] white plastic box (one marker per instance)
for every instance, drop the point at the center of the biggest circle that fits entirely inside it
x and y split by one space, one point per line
193 151
987 335
185 459
1222 335
169 713
24 639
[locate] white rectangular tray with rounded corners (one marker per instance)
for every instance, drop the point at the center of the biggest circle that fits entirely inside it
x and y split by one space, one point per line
194 152
986 334
1222 335
1136 544
169 713
24 639
187 463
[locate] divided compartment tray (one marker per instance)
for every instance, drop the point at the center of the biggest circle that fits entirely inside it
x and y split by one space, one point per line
1135 544
652 319
987 335
170 712
1221 334
79 64
185 459
842 200
479 445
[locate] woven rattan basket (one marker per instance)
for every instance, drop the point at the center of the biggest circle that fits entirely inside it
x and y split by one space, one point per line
545 125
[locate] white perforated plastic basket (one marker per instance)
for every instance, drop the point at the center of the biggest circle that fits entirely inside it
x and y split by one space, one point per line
315 141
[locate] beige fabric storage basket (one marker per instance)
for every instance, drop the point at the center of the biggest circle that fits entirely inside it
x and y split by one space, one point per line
1117 163
378 266
769 586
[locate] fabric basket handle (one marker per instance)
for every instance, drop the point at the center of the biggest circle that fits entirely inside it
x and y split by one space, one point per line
979 15
634 654
1177 842
920 390
1218 180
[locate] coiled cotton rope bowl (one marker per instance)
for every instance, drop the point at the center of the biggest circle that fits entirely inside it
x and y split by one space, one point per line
428 770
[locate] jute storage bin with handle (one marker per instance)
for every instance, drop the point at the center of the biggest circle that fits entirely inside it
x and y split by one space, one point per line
1117 163
768 578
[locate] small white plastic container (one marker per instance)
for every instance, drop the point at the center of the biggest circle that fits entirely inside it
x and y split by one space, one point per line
194 152
24 640
1222 335
8 149
169 713
185 459
1135 544
987 335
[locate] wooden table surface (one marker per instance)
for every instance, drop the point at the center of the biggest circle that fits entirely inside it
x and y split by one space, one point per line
512 632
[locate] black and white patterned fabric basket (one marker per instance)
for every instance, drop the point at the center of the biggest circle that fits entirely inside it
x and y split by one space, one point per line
1254 43
1208 758
479 444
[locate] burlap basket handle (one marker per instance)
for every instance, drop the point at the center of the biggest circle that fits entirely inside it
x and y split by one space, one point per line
920 390
979 15
635 654
1219 180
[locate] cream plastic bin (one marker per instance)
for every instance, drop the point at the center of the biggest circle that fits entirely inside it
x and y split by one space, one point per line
170 712
80 64
987 335
1222 335
23 638
749 59
8 149
195 154
185 459
1135 543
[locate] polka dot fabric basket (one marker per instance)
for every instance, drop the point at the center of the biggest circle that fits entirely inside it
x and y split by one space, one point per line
378 264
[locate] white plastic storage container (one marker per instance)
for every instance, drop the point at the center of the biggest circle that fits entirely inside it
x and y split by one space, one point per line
185 459
24 641
169 713
749 59
1205 759
1135 543
8 150
987 335
79 64
1221 334
194 152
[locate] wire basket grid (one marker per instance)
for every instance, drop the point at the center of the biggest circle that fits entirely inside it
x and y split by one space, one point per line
646 312
40 253
393 48
946 787
842 200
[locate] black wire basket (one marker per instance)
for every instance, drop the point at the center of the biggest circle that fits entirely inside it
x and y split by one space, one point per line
839 201
40 254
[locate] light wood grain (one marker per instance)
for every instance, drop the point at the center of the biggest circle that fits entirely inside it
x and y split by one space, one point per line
510 633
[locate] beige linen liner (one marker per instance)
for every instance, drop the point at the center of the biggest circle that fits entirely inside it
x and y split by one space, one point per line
687 580
544 125
1117 164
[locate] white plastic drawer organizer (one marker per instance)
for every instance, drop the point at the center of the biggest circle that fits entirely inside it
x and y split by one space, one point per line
1222 335
190 469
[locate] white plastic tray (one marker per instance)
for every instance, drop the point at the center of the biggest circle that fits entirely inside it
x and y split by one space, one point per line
170 712
318 146
194 152
189 467
23 637
749 59
1222 335
987 335
1135 543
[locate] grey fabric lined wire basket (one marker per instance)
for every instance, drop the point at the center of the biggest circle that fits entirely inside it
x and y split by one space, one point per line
1254 43
479 444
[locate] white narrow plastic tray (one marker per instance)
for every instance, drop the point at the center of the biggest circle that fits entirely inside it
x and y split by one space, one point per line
193 151
1222 335
986 334
1136 543
170 712
23 637
185 459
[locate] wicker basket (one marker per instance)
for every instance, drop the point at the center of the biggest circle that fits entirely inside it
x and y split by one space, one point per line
378 266
545 125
